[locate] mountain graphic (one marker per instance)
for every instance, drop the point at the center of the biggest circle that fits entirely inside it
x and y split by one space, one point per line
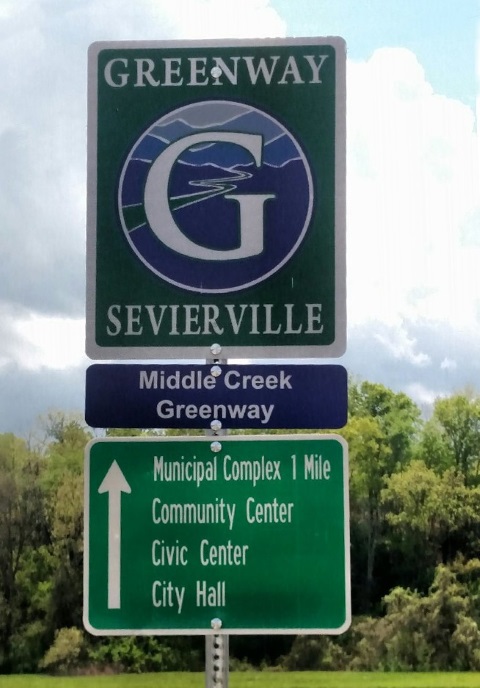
278 146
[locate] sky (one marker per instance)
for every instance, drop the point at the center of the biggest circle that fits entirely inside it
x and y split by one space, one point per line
413 185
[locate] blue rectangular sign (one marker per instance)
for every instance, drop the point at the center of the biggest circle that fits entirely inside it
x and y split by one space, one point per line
192 396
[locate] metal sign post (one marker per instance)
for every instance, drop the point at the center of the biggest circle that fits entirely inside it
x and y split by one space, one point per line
216 658
217 655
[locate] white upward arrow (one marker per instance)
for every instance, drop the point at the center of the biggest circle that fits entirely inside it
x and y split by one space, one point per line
114 483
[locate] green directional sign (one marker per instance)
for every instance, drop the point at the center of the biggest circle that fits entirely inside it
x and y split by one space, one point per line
216 199
250 530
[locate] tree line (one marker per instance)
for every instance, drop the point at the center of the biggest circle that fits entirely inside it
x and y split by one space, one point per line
415 543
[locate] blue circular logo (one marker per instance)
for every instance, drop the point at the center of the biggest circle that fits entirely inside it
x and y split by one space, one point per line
215 196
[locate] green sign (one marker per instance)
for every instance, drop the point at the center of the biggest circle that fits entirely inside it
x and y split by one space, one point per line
216 199
250 530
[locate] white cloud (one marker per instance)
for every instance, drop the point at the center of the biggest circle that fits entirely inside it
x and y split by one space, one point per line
35 342
422 396
397 341
448 364
56 343
412 186
220 19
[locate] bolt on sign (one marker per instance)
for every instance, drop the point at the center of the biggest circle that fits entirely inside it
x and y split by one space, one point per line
251 530
216 199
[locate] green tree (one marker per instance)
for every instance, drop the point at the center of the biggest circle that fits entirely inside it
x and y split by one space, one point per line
66 524
398 416
432 517
66 653
434 632
126 432
23 533
453 436
369 458
380 432
432 447
66 437
63 480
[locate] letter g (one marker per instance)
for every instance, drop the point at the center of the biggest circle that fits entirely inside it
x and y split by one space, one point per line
251 205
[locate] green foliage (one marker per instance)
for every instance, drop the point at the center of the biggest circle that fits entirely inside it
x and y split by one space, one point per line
64 451
41 542
140 654
415 508
23 528
28 644
432 518
65 431
397 415
318 653
432 449
178 432
456 421
66 523
133 432
435 632
66 652
380 432
429 505
33 587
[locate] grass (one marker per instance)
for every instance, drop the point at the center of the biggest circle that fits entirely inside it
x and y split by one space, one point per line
307 679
